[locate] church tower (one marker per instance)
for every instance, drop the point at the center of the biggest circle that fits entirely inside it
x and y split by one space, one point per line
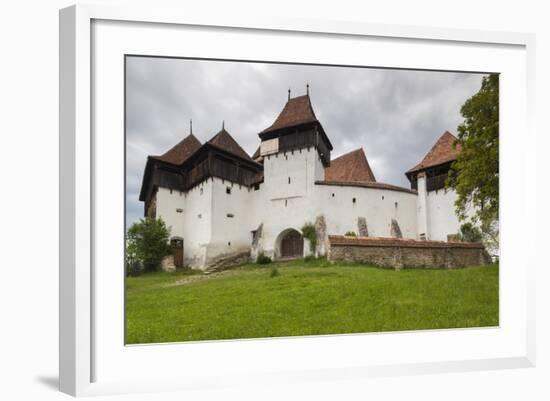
435 210
294 150
296 127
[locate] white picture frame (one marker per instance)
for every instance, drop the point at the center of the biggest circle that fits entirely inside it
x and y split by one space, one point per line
84 343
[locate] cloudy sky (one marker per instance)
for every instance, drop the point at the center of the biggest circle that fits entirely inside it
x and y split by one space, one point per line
394 115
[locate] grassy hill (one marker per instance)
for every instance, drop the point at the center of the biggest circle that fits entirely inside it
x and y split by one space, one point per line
306 298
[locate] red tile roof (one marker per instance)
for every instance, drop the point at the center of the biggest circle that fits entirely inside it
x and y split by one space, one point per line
343 240
351 167
441 152
378 185
225 141
180 152
297 110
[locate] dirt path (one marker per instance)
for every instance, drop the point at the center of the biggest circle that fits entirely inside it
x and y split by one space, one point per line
198 277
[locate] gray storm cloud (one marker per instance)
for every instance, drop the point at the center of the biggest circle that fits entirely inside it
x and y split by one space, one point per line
395 115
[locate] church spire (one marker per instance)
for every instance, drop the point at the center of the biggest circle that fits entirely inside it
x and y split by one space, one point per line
307 89
288 93
191 126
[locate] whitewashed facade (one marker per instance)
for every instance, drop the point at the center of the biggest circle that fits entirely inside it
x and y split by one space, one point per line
217 217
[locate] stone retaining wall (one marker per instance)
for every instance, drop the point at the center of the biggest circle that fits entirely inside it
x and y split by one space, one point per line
401 253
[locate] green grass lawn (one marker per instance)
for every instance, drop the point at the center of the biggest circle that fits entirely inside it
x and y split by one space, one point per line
306 298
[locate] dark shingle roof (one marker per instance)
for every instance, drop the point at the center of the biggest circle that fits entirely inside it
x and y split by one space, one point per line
350 167
297 110
180 152
441 152
225 141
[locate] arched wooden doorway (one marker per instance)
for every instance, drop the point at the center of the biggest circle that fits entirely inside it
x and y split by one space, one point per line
292 244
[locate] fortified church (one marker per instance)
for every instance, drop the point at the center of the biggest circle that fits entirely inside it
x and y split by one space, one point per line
219 202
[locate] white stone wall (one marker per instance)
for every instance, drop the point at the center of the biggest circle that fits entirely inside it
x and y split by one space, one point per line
378 206
193 223
168 202
232 221
442 219
280 204
292 205
198 224
302 167
288 204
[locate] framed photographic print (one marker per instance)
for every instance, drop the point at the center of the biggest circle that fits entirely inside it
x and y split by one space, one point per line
264 200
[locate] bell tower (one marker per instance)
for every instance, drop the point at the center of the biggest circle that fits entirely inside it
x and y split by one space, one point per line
296 128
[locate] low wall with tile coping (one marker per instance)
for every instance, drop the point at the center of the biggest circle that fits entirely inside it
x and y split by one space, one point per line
402 253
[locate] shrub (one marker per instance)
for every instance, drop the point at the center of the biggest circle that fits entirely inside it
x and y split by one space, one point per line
470 233
310 258
274 272
350 234
147 242
133 268
263 259
308 231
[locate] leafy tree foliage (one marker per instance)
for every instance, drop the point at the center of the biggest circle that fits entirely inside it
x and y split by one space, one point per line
475 173
147 242
470 233
308 231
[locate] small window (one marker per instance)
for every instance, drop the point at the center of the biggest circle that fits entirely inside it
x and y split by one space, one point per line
333 195
229 243
423 236
256 187
382 198
289 180
286 202
170 191
396 205
179 210
202 191
354 200
230 215
200 216
228 190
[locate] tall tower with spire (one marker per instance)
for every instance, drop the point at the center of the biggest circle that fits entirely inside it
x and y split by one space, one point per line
295 151
296 128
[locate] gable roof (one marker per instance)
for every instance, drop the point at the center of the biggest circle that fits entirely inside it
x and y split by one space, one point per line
350 167
181 151
441 152
225 141
297 110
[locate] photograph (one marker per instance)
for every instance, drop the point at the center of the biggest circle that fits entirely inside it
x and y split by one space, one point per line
267 199
291 200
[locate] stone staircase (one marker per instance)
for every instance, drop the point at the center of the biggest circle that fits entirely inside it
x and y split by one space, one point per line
225 262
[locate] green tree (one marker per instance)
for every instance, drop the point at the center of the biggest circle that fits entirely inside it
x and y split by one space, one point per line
147 241
470 233
308 231
475 174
